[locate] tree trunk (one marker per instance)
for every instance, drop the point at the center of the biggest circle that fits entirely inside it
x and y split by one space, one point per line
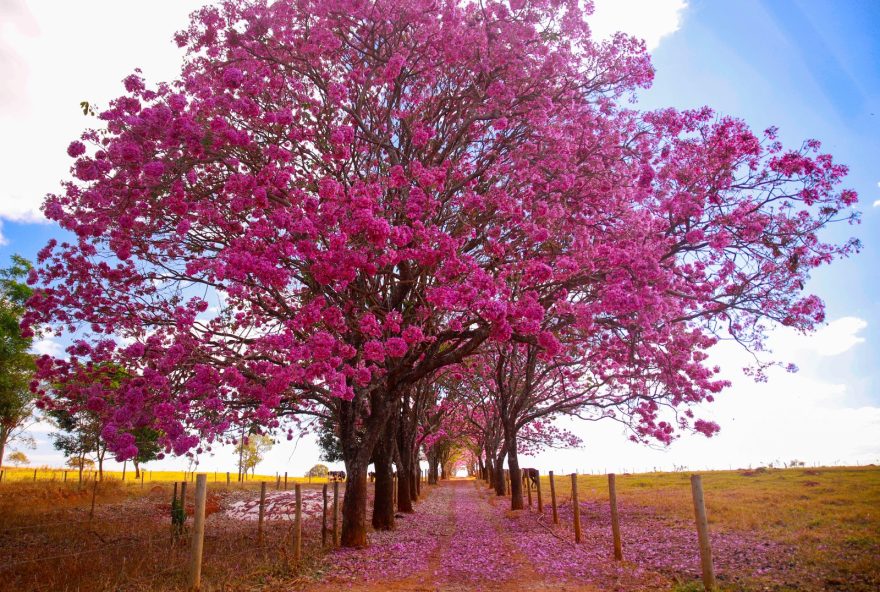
137 470
490 471
354 505
359 437
499 481
516 492
3 438
101 465
417 491
404 495
383 504
481 467
433 465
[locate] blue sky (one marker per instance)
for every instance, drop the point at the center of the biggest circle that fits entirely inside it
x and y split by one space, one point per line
812 68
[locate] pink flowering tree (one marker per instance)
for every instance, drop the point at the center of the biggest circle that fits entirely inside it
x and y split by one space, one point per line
338 198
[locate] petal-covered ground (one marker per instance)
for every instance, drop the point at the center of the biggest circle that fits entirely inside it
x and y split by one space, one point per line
463 537
280 505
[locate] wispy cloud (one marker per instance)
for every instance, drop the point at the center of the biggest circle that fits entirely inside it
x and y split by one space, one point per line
650 20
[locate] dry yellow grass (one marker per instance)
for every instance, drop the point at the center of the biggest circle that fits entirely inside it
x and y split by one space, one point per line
41 474
48 541
831 516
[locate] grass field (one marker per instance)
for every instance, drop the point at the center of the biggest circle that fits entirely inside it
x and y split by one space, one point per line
18 474
783 530
828 517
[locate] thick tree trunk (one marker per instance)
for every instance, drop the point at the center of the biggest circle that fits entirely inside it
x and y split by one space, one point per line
354 505
481 467
3 439
433 476
490 471
404 495
383 503
358 437
516 492
417 491
499 481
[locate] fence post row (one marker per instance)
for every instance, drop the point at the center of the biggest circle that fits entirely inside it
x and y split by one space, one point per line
703 532
615 519
198 537
553 497
576 508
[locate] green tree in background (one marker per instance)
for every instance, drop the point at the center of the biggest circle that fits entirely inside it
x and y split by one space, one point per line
18 458
318 470
16 362
251 452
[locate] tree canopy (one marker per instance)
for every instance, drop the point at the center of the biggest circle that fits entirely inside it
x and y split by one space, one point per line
337 202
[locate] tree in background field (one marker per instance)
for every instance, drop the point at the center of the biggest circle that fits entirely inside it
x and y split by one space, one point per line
318 470
147 441
79 438
16 362
373 192
251 451
80 463
18 458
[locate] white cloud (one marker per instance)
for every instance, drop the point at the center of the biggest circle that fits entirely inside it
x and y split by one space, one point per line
650 20
47 346
835 338
54 55
877 203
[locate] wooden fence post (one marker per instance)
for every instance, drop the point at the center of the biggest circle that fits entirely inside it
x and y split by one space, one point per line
285 480
1 475
35 475
528 482
94 493
297 525
335 513
540 500
324 519
173 504
183 498
703 532
142 479
227 479
198 538
615 519
576 508
262 512
553 498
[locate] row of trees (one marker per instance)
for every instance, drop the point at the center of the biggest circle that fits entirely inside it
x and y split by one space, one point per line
419 227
